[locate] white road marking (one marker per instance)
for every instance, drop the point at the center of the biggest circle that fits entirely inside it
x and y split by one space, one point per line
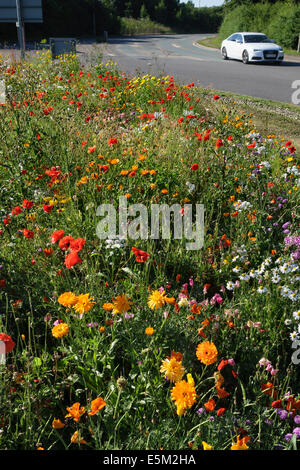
175 45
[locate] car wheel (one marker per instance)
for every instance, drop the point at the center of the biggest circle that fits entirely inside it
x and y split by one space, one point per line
224 53
245 57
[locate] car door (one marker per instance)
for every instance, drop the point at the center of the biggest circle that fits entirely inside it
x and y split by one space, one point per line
239 47
231 46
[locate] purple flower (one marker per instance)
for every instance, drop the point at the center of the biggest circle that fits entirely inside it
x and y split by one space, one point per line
297 419
284 226
127 315
92 325
296 255
201 411
288 437
283 414
297 432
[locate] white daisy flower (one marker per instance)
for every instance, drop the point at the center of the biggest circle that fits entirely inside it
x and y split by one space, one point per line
261 290
230 285
296 315
294 335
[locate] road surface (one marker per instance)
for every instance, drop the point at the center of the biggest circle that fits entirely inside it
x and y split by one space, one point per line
178 55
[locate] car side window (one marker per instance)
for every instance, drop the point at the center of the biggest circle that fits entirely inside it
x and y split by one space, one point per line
233 37
239 38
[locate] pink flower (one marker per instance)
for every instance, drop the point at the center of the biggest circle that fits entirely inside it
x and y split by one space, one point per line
231 362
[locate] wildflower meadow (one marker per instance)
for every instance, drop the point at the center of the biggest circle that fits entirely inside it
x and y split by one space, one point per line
134 342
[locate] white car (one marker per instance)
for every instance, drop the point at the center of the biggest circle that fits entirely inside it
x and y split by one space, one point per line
251 47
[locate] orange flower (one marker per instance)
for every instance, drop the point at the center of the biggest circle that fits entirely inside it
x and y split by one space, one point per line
268 389
75 439
196 309
177 355
207 352
149 330
97 405
75 411
108 306
240 443
210 405
221 392
57 424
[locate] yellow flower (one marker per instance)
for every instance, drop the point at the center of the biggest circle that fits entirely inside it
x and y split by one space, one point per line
121 304
156 300
60 330
173 369
207 352
184 395
57 424
241 444
206 446
68 299
84 303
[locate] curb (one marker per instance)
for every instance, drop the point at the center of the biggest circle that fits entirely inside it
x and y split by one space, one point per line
205 47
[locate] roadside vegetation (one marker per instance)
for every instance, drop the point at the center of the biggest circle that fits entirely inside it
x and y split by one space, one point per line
139 343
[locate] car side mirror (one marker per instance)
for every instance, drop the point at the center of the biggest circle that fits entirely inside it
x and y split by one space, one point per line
239 41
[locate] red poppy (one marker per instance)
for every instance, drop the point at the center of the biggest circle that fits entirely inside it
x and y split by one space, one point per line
16 210
65 242
219 143
251 146
72 259
276 404
57 235
216 97
47 208
141 256
77 244
28 233
27 204
112 141
195 166
221 411
9 344
48 110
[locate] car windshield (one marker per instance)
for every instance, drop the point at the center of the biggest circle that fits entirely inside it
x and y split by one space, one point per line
256 38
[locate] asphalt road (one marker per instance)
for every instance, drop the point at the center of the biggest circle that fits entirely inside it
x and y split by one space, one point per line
178 55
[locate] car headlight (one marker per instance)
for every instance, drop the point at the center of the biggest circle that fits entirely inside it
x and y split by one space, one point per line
280 50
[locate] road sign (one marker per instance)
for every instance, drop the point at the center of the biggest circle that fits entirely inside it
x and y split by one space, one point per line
31 11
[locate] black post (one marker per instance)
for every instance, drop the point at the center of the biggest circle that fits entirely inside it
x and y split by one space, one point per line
20 27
